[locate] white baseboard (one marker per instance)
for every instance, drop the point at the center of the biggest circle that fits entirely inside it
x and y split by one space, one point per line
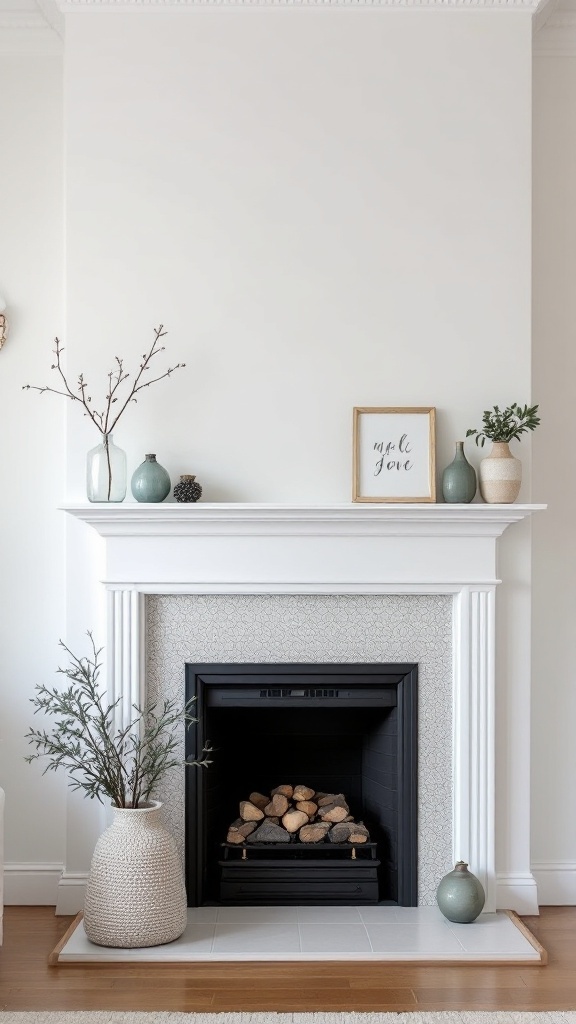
517 892
31 885
556 883
552 883
71 891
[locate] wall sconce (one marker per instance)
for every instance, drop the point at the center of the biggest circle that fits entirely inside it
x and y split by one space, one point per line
3 322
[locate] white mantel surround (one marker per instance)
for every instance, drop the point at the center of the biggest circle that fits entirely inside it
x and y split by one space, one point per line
325 549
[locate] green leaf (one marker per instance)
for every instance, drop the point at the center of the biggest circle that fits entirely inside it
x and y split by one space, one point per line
121 763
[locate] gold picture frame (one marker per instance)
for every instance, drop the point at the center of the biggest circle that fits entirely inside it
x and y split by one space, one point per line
394 454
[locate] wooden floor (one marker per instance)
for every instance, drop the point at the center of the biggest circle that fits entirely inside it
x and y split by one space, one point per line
28 983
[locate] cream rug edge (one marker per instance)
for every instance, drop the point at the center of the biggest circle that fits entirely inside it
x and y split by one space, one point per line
161 1017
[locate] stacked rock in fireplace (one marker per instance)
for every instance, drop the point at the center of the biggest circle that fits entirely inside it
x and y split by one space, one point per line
296 814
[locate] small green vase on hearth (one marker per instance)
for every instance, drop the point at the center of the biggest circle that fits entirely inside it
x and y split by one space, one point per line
460 895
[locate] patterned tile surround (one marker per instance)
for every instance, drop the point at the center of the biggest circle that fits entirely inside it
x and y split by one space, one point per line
321 628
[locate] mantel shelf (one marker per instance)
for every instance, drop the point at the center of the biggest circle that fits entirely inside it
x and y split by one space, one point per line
228 519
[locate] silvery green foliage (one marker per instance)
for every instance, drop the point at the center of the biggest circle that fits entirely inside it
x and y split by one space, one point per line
124 763
505 425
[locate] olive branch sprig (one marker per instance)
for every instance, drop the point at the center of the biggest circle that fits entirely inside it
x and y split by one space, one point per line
104 760
506 424
106 420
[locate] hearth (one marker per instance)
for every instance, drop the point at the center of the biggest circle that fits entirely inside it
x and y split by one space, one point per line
343 728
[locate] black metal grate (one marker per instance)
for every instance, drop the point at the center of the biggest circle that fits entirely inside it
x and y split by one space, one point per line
299 693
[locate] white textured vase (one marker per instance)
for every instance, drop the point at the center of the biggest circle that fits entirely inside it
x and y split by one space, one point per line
135 895
500 475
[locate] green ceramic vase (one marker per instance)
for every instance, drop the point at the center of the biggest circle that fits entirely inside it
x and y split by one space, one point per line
150 482
460 895
459 479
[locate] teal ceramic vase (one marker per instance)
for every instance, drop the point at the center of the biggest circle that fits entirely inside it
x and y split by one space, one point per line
460 895
459 478
150 482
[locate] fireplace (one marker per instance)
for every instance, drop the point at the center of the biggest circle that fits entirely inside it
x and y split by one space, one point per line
316 558
343 728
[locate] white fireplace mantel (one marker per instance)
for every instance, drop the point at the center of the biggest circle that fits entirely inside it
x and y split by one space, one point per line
327 549
212 519
416 548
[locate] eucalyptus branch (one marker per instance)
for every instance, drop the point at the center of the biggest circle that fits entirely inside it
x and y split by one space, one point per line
505 425
123 763
86 672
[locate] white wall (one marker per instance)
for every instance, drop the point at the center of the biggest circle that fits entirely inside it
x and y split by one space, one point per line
554 368
31 461
325 208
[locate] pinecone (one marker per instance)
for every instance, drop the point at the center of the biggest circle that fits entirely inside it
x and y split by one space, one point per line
187 489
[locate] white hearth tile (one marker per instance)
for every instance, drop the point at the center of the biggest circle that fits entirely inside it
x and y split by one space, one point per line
256 914
194 944
203 915
330 915
382 915
250 940
200 938
482 934
427 915
321 933
325 938
412 938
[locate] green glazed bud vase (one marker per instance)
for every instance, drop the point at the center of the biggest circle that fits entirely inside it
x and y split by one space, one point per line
459 479
460 895
150 482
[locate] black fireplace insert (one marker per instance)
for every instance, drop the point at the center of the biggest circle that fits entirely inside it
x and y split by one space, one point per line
343 728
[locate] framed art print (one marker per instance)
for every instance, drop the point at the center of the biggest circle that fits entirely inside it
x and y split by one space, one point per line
394 454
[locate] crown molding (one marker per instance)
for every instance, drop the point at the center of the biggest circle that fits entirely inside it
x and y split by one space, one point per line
557 38
28 34
545 10
53 15
527 6
13 21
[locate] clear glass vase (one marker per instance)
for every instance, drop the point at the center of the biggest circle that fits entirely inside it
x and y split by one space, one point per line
106 472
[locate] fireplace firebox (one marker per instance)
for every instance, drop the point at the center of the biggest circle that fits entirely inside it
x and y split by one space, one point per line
339 728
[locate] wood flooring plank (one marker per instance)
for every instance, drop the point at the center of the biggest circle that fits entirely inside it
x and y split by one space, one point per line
436 978
497 999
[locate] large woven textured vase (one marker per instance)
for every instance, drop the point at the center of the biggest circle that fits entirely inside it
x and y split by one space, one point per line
135 895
